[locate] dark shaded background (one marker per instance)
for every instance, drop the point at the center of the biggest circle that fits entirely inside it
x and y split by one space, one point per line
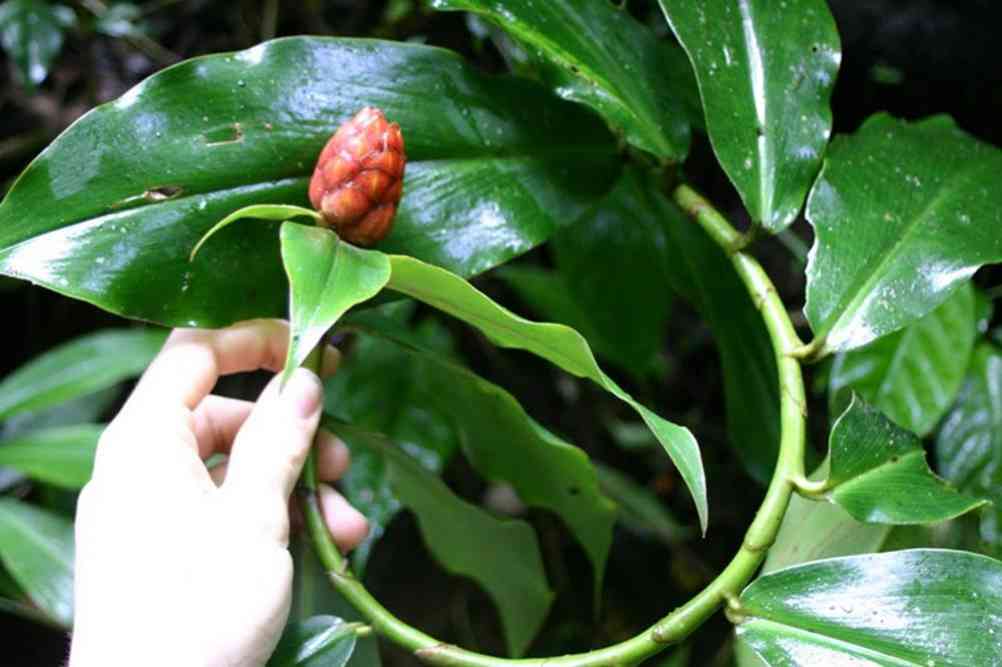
912 58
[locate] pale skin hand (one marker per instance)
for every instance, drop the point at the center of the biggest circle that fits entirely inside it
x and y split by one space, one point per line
178 565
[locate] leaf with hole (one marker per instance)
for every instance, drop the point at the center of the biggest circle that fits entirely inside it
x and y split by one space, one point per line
496 163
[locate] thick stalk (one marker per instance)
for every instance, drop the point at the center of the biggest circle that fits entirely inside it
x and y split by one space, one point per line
677 625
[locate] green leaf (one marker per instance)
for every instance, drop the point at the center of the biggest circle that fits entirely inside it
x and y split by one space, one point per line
77 368
111 210
313 595
501 555
813 530
378 386
319 641
879 472
765 75
505 445
702 273
903 214
639 509
63 456
603 58
614 259
36 547
969 443
914 374
31 32
557 343
914 607
616 250
327 276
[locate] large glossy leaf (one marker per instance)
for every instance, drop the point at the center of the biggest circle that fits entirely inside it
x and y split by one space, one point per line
110 211
77 368
327 276
615 265
702 274
879 472
914 374
903 214
505 445
31 32
501 555
36 547
765 74
601 57
969 444
318 641
556 342
916 607
63 456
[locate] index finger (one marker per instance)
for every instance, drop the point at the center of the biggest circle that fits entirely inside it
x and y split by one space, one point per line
192 360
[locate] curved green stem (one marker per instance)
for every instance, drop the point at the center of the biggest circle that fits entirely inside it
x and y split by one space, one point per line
677 625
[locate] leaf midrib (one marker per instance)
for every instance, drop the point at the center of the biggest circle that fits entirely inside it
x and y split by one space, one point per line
861 288
797 630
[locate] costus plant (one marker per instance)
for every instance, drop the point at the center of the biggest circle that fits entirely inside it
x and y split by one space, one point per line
880 552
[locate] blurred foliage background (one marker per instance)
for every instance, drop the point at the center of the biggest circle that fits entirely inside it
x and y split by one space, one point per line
910 57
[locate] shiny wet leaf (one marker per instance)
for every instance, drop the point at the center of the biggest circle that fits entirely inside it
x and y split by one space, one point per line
765 75
903 214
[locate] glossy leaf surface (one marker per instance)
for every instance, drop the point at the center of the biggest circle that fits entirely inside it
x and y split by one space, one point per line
501 555
327 276
702 274
765 75
603 58
557 343
969 443
36 547
903 214
318 641
31 33
504 444
495 164
63 456
614 259
77 368
914 374
879 472
913 607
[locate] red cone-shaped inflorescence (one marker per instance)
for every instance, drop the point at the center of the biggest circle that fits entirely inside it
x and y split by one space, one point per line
359 178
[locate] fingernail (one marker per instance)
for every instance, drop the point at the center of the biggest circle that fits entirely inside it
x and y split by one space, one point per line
303 393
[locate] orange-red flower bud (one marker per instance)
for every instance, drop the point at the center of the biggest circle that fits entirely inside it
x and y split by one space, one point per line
359 178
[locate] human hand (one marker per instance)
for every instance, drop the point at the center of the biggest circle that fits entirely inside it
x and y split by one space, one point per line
182 566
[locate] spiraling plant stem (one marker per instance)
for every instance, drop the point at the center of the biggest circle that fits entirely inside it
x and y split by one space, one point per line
681 622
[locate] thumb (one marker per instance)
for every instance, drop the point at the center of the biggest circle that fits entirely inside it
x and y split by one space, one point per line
269 450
